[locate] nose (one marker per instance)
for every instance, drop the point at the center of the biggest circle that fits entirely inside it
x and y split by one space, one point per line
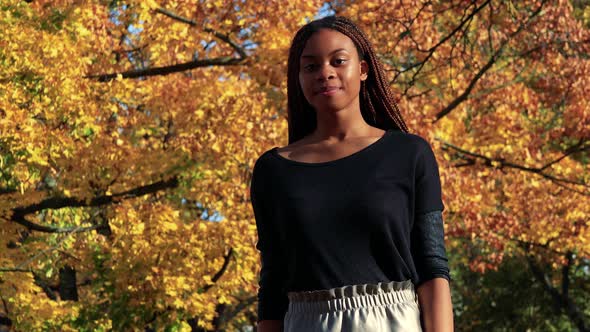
326 72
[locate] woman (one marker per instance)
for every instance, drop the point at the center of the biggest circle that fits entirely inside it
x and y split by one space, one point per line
349 214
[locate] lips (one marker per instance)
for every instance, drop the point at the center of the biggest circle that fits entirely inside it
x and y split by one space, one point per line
327 90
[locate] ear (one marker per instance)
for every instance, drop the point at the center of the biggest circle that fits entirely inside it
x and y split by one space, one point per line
364 70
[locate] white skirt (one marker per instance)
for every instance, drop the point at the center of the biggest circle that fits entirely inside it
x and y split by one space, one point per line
386 306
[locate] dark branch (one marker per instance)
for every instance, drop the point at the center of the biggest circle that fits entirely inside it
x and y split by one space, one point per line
458 27
502 163
578 147
561 301
218 35
222 61
20 213
61 202
15 269
559 44
159 71
463 96
221 271
228 315
530 245
20 219
45 287
433 49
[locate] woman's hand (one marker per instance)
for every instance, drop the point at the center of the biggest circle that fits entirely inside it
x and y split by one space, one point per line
436 307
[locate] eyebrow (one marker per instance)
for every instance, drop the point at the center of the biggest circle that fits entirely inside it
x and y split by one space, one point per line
334 51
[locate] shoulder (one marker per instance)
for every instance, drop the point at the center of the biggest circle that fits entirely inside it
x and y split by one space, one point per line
410 143
266 164
263 160
260 172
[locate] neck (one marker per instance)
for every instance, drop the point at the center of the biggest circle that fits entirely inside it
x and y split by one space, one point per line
341 124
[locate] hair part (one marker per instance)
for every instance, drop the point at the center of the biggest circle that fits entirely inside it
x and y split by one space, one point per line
378 106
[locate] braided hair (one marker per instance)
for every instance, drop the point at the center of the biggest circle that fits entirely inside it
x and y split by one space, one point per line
378 107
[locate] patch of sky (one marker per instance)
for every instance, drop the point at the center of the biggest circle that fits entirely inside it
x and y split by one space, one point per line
135 30
214 216
325 10
115 13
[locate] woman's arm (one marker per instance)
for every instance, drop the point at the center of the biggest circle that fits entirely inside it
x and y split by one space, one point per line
272 297
428 246
270 326
436 307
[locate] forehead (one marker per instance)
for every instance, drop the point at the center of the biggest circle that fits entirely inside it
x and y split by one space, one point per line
325 42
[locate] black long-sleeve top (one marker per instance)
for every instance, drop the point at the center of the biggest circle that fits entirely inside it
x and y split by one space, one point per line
370 217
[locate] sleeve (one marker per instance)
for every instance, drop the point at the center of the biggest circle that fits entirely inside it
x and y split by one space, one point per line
428 247
272 298
428 195
427 234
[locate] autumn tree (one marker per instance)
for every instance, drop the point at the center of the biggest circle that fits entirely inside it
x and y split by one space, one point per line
509 298
128 131
501 90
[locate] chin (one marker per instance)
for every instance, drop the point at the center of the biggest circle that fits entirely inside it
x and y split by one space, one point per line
330 107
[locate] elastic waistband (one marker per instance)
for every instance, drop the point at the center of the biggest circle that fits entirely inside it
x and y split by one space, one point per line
352 296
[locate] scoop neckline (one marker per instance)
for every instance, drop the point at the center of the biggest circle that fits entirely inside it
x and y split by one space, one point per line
275 153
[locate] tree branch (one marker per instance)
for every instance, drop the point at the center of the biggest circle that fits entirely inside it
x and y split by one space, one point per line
463 96
560 300
20 213
158 71
44 286
433 49
221 271
501 163
529 245
578 147
228 315
15 269
20 219
218 35
4 320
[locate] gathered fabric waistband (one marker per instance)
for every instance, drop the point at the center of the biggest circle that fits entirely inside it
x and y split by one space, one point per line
352 296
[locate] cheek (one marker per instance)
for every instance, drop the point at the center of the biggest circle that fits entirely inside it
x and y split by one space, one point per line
303 82
353 76
305 87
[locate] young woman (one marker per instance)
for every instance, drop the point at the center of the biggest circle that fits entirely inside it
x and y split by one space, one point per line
349 214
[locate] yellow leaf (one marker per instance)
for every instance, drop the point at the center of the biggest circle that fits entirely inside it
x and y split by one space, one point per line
215 147
171 226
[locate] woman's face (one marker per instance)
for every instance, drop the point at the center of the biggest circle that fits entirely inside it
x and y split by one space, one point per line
330 71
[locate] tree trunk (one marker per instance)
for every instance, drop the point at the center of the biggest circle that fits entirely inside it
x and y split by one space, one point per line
67 284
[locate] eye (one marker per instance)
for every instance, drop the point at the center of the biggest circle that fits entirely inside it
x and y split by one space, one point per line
339 61
309 67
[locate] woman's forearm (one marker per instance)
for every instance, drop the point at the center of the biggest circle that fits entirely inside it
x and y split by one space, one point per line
436 307
270 326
